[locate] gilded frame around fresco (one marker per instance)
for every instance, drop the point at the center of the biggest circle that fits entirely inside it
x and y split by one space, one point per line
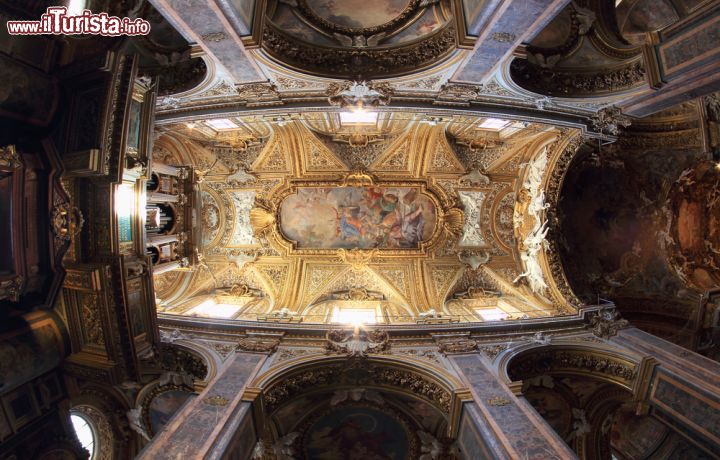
265 217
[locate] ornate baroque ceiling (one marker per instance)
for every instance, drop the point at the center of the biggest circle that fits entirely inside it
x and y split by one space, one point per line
413 221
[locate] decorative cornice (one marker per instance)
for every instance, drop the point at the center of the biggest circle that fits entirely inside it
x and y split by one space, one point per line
564 84
547 361
348 62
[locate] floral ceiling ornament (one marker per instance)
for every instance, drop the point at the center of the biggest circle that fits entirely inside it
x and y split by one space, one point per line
607 323
357 343
359 95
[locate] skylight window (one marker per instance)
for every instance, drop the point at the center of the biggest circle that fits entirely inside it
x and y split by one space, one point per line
353 316
221 123
359 117
211 309
491 314
493 123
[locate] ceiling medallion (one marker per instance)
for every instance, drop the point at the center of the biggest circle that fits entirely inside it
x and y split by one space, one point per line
356 96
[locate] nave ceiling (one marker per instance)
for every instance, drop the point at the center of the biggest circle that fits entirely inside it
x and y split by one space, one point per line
348 195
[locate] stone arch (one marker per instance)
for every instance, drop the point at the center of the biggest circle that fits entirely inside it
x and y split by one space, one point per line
317 386
599 377
584 358
210 358
190 359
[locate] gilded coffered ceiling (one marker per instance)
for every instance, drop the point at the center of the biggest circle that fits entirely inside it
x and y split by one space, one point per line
396 216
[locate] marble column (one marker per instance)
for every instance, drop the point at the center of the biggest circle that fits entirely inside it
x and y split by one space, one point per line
215 423
499 425
682 389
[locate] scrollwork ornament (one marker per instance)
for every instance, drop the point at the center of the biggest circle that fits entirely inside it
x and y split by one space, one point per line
66 221
458 346
453 221
359 94
498 401
11 289
9 157
262 220
357 258
345 62
541 363
257 345
609 120
607 323
492 351
358 343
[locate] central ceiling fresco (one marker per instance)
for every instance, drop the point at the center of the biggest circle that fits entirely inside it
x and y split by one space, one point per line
394 217
358 217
